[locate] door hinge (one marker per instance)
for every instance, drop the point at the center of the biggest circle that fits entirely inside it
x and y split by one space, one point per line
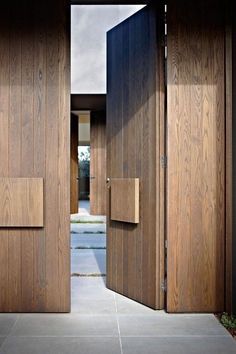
163 161
164 285
166 244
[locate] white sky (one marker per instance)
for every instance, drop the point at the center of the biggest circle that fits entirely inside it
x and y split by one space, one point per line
89 24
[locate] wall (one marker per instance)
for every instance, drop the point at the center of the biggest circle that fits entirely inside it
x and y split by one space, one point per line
34 142
196 143
234 167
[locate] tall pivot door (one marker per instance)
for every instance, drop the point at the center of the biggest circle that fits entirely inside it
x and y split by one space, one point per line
196 157
134 188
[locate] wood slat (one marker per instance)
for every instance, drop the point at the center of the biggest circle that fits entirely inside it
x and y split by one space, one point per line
34 122
133 113
98 163
196 158
74 165
21 202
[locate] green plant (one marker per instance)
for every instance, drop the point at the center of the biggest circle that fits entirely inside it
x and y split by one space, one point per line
228 321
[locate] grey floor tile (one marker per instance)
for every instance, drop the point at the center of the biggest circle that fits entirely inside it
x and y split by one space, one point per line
88 228
65 325
181 345
57 345
6 323
88 261
90 288
170 325
2 338
93 306
128 306
88 240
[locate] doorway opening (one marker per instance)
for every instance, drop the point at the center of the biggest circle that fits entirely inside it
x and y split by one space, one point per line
88 220
88 105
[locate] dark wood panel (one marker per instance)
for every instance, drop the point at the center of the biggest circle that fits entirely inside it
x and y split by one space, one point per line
196 157
98 163
134 108
35 142
74 165
233 250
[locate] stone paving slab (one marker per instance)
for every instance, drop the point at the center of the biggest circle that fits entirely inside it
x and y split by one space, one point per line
181 345
88 228
57 345
104 322
75 325
92 218
90 288
88 240
170 325
88 261
7 321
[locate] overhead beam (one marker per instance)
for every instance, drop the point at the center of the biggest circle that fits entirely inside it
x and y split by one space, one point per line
108 2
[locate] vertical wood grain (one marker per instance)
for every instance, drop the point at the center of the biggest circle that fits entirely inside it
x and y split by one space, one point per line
34 134
64 154
133 115
4 144
40 82
27 156
229 159
98 163
196 158
74 165
15 146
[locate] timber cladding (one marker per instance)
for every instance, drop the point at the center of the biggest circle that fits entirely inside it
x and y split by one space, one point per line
196 157
34 142
21 202
125 199
98 163
134 106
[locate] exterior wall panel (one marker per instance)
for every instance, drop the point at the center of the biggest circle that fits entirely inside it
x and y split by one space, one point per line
34 142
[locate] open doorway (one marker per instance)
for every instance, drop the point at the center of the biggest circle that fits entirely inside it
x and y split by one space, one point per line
88 203
88 105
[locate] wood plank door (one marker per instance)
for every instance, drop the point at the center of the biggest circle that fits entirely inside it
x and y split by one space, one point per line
34 156
98 163
74 165
196 157
134 145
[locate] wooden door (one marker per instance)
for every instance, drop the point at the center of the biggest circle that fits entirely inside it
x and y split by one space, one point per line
35 148
196 157
98 163
74 164
134 146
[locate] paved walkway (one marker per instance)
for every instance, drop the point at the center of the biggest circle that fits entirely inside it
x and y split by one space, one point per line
104 322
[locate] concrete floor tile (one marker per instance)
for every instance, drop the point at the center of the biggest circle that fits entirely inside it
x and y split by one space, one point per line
6 323
88 240
65 325
93 306
2 338
87 228
181 345
88 261
170 325
90 288
128 306
58 345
